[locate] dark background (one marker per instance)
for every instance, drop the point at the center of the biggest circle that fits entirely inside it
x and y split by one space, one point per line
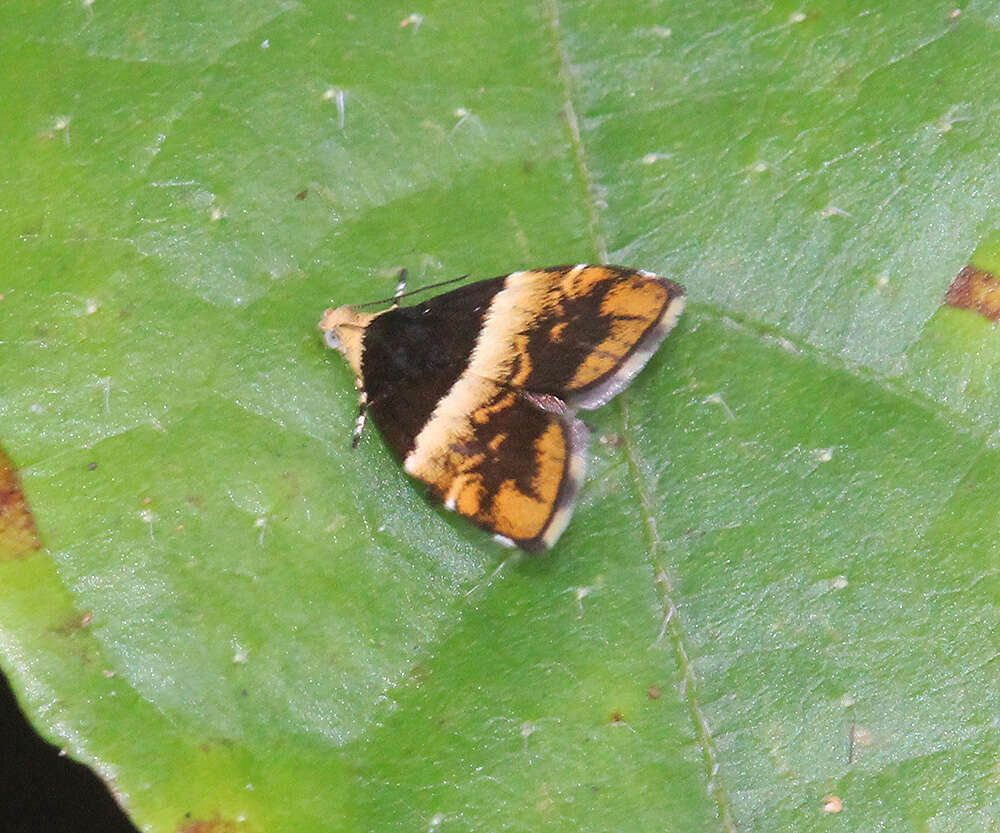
41 791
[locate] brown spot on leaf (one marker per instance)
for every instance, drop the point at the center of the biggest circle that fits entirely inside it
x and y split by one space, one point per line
73 623
617 716
862 737
302 194
18 534
653 692
977 290
832 804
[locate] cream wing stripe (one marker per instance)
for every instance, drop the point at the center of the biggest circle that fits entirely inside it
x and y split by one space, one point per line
511 312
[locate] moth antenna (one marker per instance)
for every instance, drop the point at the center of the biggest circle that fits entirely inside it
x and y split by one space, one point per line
397 296
359 425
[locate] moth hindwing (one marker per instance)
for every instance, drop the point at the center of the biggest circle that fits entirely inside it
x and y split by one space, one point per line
475 390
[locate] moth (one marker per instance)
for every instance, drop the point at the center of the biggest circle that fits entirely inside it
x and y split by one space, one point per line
475 390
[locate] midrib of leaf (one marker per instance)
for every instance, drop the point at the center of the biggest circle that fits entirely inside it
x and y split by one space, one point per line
671 624
672 628
550 9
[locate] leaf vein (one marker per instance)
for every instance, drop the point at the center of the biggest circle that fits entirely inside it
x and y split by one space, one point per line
672 629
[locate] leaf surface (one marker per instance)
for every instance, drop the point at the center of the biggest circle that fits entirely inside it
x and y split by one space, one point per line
781 584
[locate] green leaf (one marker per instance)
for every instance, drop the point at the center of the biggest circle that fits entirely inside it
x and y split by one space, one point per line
779 596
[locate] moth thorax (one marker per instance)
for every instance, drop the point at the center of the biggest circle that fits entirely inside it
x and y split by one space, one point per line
343 329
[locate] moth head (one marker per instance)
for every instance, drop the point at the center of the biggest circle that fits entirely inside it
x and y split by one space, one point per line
343 329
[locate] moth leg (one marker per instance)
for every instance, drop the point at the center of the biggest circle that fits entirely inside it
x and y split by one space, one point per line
359 425
400 289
